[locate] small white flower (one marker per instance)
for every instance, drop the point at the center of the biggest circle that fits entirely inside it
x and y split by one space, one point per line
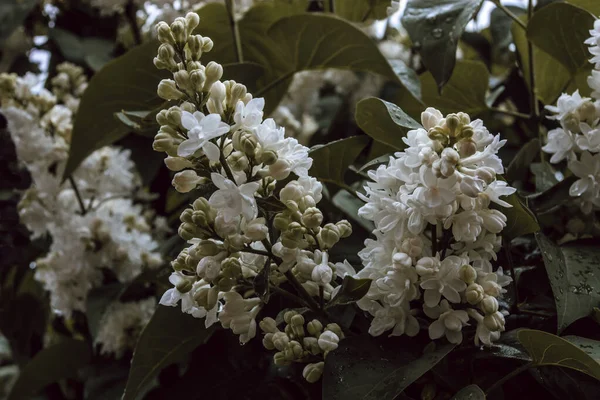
201 129
248 115
449 322
232 200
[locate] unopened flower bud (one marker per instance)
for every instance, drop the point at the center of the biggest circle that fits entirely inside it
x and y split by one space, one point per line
214 72
297 323
312 345
268 157
329 235
345 228
163 142
177 163
182 79
187 231
167 89
312 217
494 322
164 33
401 260
467 273
268 341
487 174
328 341
194 45
335 328
489 305
183 285
294 350
186 181
192 20
197 79
280 340
280 359
587 112
281 221
452 123
466 148
287 317
571 122
179 30
238 92
268 325
256 230
314 327
238 161
244 141
312 372
474 293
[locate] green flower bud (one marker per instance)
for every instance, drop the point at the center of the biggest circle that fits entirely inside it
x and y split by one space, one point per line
329 235
474 293
187 231
182 79
179 263
268 157
281 221
587 112
467 273
494 322
294 351
268 325
163 142
297 323
197 79
314 327
161 117
238 161
452 123
184 285
164 33
187 216
179 30
207 248
199 218
167 89
231 267
194 43
268 341
306 202
312 345
312 372
192 20
280 340
224 284
345 228
207 44
312 217
214 72
287 317
335 328
245 142
489 305
280 359
186 181
177 163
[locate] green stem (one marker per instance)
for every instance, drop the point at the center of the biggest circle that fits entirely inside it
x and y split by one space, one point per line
511 113
509 13
235 30
255 251
78 195
223 161
285 293
301 291
510 375
130 14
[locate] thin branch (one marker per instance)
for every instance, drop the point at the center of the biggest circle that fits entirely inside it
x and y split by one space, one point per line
511 113
285 293
509 13
235 30
130 14
78 195
255 251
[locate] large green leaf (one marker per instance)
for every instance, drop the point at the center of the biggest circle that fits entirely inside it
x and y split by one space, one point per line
128 82
591 347
471 392
519 166
59 361
351 291
363 367
574 271
169 337
552 78
93 51
349 205
592 6
465 91
548 349
385 122
361 10
435 26
560 29
12 14
519 218
331 161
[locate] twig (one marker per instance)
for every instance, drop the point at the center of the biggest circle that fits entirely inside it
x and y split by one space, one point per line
255 251
285 293
235 30
511 113
510 14
130 13
78 195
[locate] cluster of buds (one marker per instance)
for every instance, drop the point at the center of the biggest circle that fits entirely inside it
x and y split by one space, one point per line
301 342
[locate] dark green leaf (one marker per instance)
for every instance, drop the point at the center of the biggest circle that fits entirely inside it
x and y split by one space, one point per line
331 161
60 361
520 219
591 347
169 337
552 198
500 24
548 349
351 291
471 392
518 167
465 91
435 26
376 161
383 121
93 51
574 271
361 10
12 14
408 77
105 381
592 6
400 378
545 177
560 29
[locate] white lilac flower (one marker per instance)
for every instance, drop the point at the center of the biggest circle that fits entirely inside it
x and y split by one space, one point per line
587 187
232 200
248 116
448 322
201 129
